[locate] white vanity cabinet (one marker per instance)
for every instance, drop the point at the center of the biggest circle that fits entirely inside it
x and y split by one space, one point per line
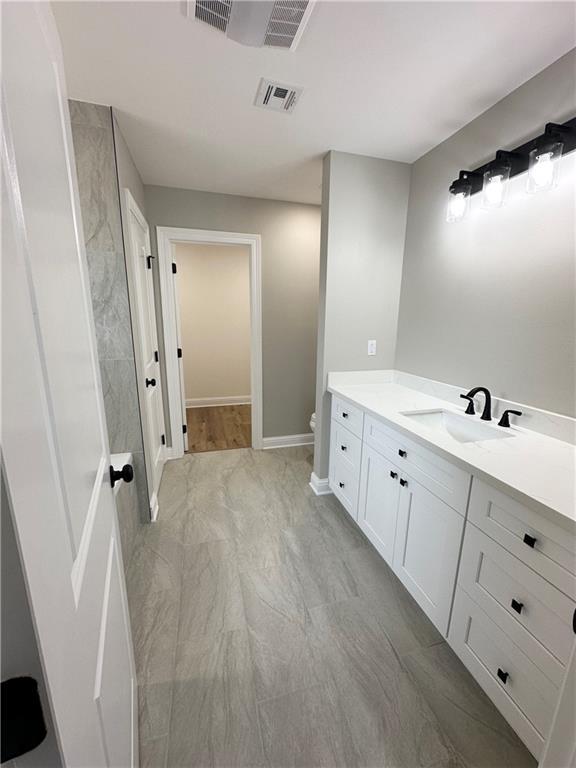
409 502
512 618
378 505
427 548
497 577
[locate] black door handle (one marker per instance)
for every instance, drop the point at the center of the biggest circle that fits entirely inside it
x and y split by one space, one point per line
517 606
341 485
403 482
150 382
344 415
393 475
343 448
126 474
401 453
529 540
502 675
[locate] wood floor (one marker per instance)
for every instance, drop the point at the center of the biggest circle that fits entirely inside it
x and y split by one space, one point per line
219 428
268 632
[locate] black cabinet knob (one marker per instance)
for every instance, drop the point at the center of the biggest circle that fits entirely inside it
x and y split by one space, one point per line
517 606
401 453
393 475
341 485
150 382
344 415
343 448
403 482
529 540
126 474
502 675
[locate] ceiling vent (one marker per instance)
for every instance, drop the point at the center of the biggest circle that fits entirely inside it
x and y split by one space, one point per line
271 23
277 96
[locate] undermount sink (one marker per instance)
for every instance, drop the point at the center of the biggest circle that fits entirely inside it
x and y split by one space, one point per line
461 428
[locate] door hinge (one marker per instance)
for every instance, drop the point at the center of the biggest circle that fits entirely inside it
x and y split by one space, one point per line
173 268
149 261
163 439
184 429
156 355
179 351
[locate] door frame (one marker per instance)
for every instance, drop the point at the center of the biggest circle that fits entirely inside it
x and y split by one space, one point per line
167 238
130 206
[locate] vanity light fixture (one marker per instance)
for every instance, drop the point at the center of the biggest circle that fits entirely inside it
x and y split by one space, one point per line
543 166
495 184
459 197
539 156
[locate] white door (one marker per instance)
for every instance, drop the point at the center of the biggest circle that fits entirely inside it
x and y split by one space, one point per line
54 441
146 343
180 352
378 507
428 539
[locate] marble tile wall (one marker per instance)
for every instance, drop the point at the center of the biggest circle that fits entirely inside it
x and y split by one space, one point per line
94 150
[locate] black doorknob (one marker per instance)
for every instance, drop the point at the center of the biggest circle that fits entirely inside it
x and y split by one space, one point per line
126 474
150 382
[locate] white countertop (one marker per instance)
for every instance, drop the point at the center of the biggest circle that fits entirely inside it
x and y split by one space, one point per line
531 466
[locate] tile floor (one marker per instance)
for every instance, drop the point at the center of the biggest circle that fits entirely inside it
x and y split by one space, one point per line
268 632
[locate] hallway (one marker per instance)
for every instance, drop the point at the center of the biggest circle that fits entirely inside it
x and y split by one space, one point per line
219 428
268 632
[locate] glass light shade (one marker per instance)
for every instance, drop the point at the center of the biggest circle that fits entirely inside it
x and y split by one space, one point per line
495 186
543 165
458 203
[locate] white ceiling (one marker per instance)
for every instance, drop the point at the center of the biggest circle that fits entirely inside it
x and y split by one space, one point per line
387 79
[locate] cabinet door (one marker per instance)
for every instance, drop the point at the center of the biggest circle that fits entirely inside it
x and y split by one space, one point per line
428 540
378 507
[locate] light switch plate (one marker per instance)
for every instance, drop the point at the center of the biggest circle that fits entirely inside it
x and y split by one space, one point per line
372 346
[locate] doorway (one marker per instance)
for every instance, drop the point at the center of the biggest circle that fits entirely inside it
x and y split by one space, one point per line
210 285
213 305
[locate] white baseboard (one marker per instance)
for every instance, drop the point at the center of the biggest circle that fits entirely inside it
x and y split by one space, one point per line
209 402
287 441
154 508
319 485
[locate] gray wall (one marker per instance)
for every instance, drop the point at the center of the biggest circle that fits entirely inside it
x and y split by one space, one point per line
100 206
20 656
364 206
290 256
491 300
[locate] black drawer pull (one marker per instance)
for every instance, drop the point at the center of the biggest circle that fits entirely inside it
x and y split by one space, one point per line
529 540
401 453
341 485
403 482
150 382
344 415
393 475
517 606
502 675
343 448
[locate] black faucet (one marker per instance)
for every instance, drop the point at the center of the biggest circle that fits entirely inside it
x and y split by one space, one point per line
487 412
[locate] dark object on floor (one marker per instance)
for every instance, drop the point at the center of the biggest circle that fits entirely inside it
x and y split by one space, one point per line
23 726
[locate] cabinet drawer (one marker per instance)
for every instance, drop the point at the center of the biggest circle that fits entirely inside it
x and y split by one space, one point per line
535 615
345 445
426 550
524 695
348 415
344 483
378 502
541 544
444 479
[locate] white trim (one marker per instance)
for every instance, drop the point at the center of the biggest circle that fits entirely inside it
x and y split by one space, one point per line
154 508
167 237
139 306
319 485
287 441
213 402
